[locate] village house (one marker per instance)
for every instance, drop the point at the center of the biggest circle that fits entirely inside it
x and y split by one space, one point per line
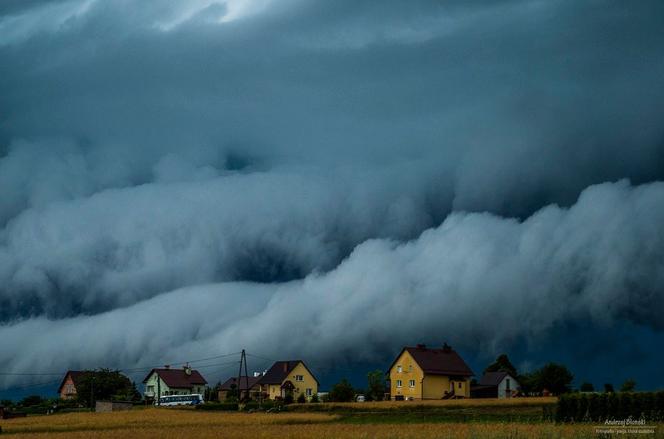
288 377
168 381
499 384
423 373
67 389
231 385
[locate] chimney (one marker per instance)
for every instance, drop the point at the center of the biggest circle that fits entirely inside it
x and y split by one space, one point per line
421 346
285 366
447 348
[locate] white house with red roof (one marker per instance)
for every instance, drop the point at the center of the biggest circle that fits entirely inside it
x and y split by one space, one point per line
169 381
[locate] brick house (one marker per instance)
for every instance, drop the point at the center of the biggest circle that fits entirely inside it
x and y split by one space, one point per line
67 389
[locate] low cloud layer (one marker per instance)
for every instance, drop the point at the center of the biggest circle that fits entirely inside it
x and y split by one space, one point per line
468 281
329 166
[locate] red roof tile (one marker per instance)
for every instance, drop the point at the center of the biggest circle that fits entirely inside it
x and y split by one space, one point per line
443 361
178 378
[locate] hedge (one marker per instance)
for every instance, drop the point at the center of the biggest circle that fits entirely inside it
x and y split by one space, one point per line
221 406
598 407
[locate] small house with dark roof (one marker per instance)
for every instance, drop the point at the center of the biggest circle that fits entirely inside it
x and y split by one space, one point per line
246 383
169 381
424 373
499 384
67 389
288 377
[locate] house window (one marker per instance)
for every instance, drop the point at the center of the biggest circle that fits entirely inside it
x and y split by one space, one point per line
459 385
299 378
150 389
398 383
309 392
410 368
411 383
399 369
507 383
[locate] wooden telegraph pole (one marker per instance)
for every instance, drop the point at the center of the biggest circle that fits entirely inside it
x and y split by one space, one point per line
243 361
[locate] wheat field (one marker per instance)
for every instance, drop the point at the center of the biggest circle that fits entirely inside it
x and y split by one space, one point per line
174 423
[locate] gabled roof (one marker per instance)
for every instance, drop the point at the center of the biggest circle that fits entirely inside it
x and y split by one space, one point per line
443 361
243 384
493 378
178 378
280 370
75 376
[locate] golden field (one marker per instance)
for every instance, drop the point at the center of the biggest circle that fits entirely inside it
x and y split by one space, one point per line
174 423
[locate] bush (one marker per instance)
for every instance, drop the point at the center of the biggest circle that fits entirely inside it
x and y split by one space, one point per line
288 399
314 398
577 407
220 406
342 392
251 405
301 399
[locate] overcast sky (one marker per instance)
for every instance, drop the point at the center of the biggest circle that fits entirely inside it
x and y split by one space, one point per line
331 180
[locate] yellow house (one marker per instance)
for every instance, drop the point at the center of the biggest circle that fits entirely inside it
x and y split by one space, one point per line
423 373
288 377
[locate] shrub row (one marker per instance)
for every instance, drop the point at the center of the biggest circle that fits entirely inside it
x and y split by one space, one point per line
598 407
221 406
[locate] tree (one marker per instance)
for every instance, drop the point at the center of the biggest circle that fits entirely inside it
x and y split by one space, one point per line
587 387
375 385
628 386
232 394
502 363
554 377
608 388
301 399
31 400
314 398
7 403
105 384
342 392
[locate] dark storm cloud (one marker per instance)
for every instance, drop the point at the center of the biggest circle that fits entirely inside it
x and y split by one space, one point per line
150 147
599 262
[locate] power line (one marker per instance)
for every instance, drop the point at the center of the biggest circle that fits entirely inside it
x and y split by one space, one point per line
126 370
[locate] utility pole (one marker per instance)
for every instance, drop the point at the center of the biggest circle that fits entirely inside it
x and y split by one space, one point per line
92 390
158 390
243 361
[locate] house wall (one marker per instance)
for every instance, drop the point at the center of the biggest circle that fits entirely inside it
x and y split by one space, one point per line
152 381
409 371
68 390
108 406
502 387
308 382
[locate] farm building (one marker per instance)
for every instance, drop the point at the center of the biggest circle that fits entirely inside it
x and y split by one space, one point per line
423 373
231 385
288 377
67 388
496 385
168 381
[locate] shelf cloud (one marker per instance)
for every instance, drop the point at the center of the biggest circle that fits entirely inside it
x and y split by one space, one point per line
484 173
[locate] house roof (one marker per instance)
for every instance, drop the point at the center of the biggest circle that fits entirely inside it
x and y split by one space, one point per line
177 377
280 370
243 384
442 361
75 376
493 378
